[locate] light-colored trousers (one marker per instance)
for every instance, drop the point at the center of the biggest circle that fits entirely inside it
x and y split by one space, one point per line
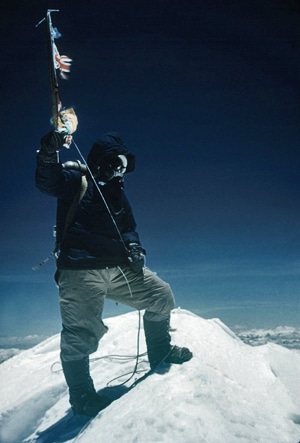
82 294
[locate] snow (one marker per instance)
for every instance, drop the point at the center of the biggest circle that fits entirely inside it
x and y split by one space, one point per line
230 392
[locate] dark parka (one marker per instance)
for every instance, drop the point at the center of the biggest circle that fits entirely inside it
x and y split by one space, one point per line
91 241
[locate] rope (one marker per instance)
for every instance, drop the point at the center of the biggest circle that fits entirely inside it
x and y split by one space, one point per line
126 279
100 193
39 265
135 369
116 357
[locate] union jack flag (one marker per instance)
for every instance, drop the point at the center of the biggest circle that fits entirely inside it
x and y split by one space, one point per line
61 62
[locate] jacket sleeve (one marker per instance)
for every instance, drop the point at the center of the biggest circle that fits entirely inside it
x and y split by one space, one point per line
53 180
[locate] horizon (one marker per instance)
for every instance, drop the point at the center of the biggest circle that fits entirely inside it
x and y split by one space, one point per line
286 336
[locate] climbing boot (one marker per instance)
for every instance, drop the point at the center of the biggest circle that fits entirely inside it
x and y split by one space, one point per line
158 341
83 397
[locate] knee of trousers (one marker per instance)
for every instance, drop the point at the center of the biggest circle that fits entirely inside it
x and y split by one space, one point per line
162 306
78 343
169 300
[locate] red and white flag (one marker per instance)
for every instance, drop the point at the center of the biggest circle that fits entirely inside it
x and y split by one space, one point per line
61 62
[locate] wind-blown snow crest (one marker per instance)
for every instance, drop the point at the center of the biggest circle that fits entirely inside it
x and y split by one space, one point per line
229 391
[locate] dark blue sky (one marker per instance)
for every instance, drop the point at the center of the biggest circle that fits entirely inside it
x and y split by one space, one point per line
206 94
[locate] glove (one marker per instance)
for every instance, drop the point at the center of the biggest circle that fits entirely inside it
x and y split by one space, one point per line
136 257
52 142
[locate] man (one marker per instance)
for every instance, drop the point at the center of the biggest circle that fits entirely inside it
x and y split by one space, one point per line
99 255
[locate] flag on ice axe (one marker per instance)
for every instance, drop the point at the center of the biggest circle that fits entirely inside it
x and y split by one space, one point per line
64 121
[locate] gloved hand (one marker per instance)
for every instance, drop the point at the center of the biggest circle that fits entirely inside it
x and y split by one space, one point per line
136 257
52 142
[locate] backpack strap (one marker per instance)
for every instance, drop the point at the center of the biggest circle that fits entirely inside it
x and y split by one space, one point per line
69 218
77 199
71 212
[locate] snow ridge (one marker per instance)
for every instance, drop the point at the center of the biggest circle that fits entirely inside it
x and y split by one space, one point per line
229 392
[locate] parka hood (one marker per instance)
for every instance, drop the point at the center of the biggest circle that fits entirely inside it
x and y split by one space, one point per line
108 146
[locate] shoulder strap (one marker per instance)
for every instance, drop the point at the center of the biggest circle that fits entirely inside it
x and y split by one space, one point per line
70 215
77 199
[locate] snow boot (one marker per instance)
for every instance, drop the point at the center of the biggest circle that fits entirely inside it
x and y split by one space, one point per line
179 355
83 397
158 341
